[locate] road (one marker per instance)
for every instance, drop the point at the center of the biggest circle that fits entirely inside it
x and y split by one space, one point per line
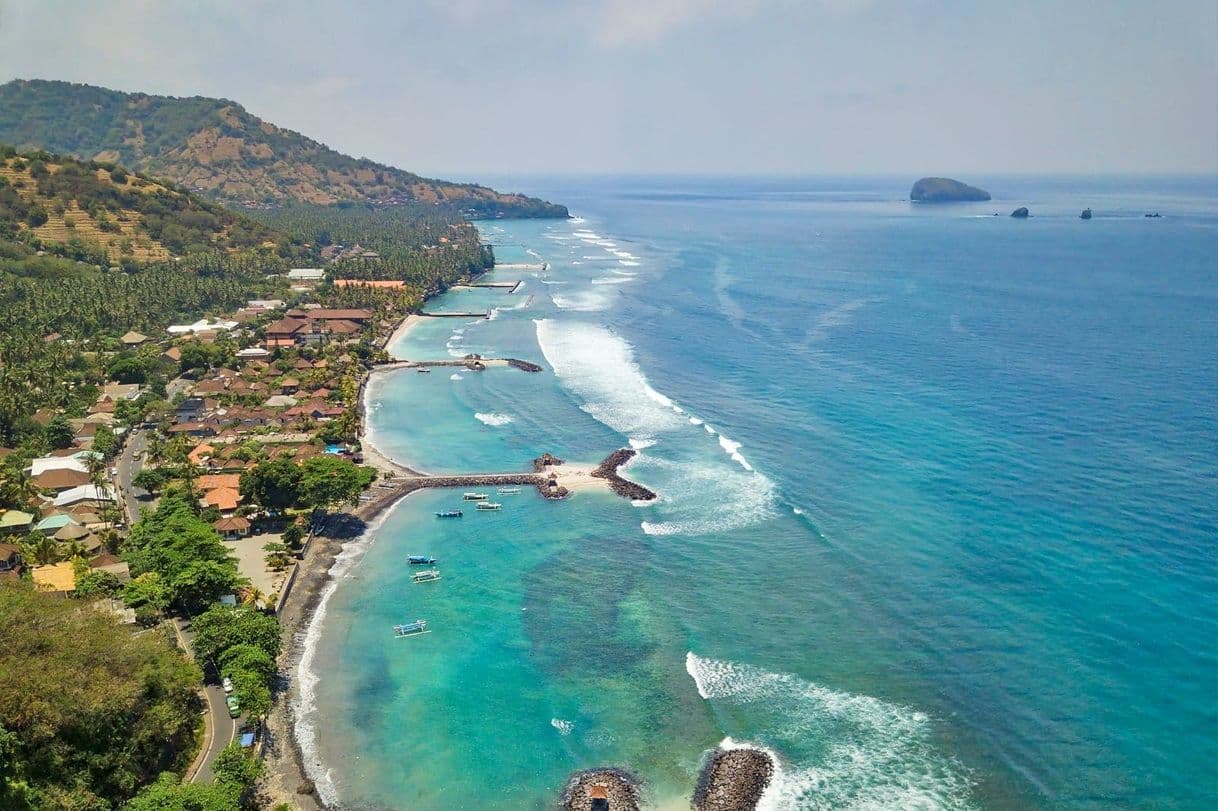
129 463
219 729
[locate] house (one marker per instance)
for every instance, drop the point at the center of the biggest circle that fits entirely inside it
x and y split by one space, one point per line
232 529
225 499
286 329
86 492
173 354
190 410
59 577
10 561
264 304
202 326
200 453
112 564
289 385
216 481
324 314
53 523
280 401
133 339
120 391
195 429
59 479
15 521
252 353
306 274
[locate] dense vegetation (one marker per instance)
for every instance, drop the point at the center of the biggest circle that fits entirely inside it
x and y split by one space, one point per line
216 147
88 711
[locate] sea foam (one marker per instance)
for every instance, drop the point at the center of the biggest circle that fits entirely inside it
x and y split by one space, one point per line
493 419
867 753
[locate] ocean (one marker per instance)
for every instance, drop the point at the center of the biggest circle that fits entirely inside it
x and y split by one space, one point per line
937 522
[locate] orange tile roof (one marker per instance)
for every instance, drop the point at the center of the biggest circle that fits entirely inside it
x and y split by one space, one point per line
225 498
219 481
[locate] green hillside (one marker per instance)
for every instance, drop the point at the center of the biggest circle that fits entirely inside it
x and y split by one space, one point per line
215 147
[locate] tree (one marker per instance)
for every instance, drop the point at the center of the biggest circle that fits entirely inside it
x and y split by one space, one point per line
151 478
252 692
236 767
59 432
95 711
98 583
293 534
221 627
184 550
169 794
327 481
129 369
274 484
147 591
104 440
200 583
247 657
277 556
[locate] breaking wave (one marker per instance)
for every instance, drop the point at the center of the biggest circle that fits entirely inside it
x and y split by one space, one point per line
563 727
493 419
839 750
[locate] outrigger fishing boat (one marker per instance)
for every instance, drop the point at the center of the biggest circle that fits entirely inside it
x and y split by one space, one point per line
423 370
486 506
449 514
410 628
475 496
426 576
508 491
420 560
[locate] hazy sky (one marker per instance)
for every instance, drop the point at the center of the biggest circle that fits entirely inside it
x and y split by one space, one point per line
462 87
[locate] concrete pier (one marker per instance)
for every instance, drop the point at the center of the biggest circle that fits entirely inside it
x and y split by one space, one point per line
483 314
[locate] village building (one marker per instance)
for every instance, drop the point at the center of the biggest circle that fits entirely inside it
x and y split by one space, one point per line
59 578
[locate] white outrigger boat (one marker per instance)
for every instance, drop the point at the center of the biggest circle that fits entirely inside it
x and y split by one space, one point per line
488 506
508 491
410 628
426 576
475 496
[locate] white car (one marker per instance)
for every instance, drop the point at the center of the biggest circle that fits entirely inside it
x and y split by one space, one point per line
227 684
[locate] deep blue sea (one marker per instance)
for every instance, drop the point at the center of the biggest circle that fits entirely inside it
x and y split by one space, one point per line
938 520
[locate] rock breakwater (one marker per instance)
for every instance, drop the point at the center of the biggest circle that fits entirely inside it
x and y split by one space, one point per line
600 789
733 780
623 487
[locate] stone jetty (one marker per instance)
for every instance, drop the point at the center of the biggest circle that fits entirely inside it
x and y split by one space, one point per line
733 780
601 790
623 487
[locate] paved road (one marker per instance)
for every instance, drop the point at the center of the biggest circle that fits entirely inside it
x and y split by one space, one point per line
128 464
219 728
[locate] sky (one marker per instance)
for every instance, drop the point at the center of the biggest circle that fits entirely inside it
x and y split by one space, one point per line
459 88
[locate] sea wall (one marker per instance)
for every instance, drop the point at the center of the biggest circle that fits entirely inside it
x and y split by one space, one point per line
733 780
623 487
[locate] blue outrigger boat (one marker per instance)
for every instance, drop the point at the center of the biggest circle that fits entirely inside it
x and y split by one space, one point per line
420 560
410 628
449 514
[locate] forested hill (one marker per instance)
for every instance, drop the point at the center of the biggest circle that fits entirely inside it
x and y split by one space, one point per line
217 148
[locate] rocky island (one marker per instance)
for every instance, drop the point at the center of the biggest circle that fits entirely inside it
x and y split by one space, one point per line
946 190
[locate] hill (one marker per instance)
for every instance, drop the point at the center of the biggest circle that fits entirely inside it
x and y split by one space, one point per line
100 211
215 147
946 190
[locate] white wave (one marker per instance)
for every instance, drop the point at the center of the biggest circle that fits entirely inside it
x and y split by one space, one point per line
304 704
797 510
576 262
493 419
599 368
584 233
455 376
563 727
708 428
695 421
459 331
553 281
628 263
585 301
577 220
640 444
733 450
623 254
614 280
597 258
704 497
874 754
532 252
606 243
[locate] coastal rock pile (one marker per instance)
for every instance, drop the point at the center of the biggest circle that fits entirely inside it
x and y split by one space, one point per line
544 461
1020 213
623 487
523 365
552 489
733 780
601 790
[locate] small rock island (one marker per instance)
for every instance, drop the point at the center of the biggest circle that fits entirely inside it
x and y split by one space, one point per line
946 190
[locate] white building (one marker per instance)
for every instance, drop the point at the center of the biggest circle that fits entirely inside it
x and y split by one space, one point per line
306 274
203 325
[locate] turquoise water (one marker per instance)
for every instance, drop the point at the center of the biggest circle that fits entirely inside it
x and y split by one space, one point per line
937 522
